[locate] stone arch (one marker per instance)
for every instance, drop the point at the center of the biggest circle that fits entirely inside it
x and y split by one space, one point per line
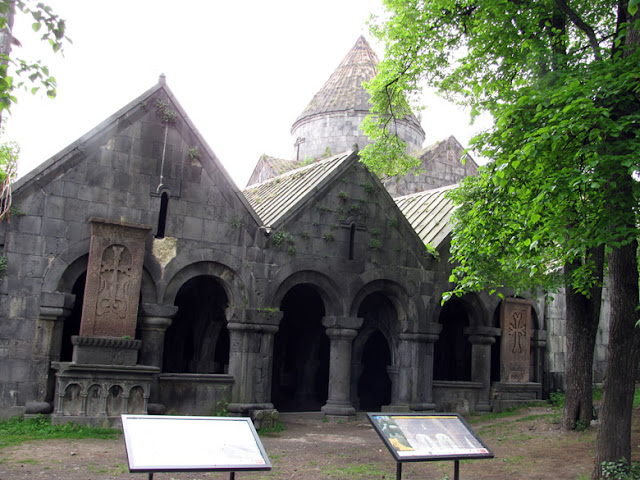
136 401
181 270
327 288
404 304
197 340
94 400
383 305
301 350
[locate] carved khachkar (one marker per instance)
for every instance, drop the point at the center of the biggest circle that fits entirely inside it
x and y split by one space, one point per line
114 273
515 320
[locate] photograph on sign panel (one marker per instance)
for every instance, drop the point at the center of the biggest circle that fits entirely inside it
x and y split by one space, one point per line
429 435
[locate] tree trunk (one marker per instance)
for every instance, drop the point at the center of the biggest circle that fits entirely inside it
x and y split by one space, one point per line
614 431
583 316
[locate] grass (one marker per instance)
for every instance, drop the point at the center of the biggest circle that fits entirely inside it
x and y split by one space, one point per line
17 430
354 471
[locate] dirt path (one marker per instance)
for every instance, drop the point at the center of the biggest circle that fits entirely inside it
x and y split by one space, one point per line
529 446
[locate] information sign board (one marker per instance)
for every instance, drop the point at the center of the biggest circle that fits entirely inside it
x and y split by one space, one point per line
158 443
422 437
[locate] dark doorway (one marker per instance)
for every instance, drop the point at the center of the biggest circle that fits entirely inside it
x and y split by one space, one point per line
380 319
374 385
301 353
197 340
71 325
452 351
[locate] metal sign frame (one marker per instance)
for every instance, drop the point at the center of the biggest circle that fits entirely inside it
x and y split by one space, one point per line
159 443
423 437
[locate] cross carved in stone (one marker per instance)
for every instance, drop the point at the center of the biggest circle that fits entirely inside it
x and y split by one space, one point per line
518 330
115 277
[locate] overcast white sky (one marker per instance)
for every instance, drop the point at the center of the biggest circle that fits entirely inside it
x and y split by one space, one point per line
243 71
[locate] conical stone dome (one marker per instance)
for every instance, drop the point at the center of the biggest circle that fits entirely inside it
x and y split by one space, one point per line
331 121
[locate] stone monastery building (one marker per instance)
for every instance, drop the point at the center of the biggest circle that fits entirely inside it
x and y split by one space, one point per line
140 278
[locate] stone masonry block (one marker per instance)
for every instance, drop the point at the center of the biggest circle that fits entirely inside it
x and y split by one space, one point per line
94 194
76 210
29 224
193 228
28 244
54 207
54 228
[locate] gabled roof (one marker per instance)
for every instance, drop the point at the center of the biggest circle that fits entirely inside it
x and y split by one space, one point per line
429 213
91 142
344 91
269 167
279 197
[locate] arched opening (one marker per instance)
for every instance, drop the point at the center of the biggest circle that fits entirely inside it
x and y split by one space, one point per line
374 385
373 351
452 351
71 325
197 340
162 216
301 353
352 241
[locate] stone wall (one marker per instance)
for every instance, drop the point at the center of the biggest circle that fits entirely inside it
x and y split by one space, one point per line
340 131
557 341
440 165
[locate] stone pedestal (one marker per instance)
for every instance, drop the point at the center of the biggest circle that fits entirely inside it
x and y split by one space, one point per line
251 334
98 394
341 332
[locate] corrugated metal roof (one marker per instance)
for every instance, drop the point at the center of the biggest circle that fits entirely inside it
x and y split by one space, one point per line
429 213
276 197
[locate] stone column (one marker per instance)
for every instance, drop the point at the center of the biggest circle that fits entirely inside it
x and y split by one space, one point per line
421 345
341 332
539 343
154 321
251 334
481 339
54 309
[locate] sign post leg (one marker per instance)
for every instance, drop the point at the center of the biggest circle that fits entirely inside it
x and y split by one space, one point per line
232 475
398 471
456 470
150 475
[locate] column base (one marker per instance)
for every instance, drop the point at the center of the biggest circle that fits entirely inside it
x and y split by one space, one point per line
245 409
423 407
396 407
344 410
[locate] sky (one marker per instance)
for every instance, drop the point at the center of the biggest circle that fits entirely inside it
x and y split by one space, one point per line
242 70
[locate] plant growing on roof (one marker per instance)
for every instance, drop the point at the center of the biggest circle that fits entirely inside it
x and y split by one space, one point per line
193 153
168 115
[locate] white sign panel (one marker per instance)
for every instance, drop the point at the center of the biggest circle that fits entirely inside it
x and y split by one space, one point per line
170 443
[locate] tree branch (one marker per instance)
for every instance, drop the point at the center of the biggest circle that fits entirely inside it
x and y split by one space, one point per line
578 22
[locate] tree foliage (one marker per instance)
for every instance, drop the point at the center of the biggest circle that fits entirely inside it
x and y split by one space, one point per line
16 72
561 79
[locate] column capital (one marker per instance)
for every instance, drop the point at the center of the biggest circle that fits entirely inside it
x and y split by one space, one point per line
55 306
255 316
338 333
481 331
342 322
